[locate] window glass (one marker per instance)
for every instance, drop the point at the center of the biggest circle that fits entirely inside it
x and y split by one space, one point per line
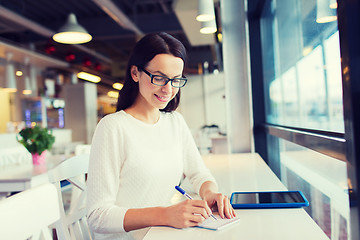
312 89
303 88
323 180
302 71
334 86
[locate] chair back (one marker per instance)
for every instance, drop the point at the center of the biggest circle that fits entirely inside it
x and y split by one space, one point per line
82 149
29 214
73 224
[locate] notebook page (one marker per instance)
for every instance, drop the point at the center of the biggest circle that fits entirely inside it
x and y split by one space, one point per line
219 224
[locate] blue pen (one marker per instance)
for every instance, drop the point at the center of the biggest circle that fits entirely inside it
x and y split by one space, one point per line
182 191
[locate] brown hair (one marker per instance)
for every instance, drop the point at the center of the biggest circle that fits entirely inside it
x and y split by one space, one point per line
145 50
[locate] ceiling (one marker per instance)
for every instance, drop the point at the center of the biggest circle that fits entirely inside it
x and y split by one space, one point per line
115 25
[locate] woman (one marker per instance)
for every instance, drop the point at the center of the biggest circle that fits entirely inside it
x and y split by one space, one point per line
141 152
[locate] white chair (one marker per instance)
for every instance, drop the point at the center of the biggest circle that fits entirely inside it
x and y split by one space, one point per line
82 149
29 214
73 224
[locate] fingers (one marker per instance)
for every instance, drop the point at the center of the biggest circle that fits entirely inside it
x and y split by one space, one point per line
187 213
220 205
190 220
224 207
196 218
195 212
201 207
229 211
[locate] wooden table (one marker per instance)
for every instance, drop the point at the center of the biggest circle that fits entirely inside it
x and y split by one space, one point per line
248 172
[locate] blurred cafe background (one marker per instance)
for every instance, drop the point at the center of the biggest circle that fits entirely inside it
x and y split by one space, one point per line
69 86
276 77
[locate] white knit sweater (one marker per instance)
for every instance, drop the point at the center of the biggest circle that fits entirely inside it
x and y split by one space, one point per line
135 165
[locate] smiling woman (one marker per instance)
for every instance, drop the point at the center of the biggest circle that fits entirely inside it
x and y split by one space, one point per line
146 49
153 85
144 149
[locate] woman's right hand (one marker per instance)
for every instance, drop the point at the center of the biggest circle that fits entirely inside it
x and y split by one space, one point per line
188 213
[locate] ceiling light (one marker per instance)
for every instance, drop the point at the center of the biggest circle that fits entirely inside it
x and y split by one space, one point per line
89 77
205 10
118 86
27 89
113 94
10 81
324 13
72 32
219 37
19 73
333 4
208 27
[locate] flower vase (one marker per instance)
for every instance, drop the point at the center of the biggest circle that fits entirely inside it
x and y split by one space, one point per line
39 159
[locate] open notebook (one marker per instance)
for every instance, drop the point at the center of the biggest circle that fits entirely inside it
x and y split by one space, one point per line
219 224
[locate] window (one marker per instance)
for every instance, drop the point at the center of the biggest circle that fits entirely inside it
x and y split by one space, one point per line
304 108
302 68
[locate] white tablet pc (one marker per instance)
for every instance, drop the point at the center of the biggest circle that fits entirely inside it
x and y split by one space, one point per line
270 199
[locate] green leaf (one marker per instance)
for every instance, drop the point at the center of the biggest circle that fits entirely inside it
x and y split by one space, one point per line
36 139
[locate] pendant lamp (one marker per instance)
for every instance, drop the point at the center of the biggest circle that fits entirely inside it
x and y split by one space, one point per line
72 32
324 13
10 80
206 10
208 27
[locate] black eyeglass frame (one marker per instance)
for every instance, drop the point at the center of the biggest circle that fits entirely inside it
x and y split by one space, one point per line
166 82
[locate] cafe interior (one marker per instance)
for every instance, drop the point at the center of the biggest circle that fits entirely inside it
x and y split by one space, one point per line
271 103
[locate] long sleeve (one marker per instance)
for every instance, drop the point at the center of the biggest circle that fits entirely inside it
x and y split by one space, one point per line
104 216
194 167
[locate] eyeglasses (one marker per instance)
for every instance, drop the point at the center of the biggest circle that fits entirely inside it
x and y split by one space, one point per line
163 80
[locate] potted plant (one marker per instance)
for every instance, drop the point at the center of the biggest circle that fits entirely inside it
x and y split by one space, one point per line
36 140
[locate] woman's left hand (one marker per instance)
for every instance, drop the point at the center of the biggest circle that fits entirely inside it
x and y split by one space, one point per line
221 203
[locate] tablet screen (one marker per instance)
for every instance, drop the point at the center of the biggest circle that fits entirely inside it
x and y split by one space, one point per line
267 197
